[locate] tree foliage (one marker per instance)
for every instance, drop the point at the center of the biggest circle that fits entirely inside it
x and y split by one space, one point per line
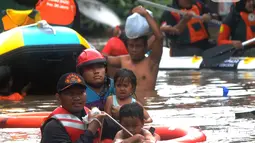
122 9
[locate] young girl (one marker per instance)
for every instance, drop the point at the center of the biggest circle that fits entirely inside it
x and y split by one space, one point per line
125 85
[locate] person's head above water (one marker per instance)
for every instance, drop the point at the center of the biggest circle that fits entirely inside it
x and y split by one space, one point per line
137 30
91 64
71 92
186 4
132 117
137 48
5 77
118 30
245 6
125 83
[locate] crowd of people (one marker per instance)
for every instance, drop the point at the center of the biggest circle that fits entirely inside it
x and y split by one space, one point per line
124 59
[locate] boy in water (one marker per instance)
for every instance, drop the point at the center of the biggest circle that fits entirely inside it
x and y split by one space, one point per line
132 118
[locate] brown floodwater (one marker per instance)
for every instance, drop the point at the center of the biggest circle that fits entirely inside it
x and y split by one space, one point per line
184 98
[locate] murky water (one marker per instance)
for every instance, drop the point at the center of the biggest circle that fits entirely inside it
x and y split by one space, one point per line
186 98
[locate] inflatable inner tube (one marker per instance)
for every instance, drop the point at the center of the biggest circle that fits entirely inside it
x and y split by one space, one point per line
35 119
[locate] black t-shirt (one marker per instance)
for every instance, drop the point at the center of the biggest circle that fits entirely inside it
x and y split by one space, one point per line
54 132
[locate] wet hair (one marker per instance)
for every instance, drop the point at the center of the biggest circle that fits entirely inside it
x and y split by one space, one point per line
123 73
133 110
144 38
5 76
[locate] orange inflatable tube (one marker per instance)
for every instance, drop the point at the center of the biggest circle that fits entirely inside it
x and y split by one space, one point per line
35 119
176 135
29 114
21 121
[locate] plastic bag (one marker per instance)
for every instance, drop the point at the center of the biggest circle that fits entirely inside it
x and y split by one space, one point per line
137 26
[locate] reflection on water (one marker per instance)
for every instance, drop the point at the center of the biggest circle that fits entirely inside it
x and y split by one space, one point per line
186 98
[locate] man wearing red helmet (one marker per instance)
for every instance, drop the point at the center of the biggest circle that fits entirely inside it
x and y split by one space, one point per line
91 64
145 69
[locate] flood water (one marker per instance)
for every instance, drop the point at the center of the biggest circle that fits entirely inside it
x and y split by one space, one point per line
185 98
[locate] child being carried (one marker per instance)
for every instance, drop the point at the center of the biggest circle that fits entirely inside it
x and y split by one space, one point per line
125 86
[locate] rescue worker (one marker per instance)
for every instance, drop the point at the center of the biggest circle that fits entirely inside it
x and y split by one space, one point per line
115 46
11 18
65 123
60 12
190 36
6 82
91 64
239 26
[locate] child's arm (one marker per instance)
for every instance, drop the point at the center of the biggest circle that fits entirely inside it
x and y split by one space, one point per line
115 112
147 118
119 138
108 105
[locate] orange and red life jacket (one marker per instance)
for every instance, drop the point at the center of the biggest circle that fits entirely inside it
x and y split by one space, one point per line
13 97
239 28
72 124
195 31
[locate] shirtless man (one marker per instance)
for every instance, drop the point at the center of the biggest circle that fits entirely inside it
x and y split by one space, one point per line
145 68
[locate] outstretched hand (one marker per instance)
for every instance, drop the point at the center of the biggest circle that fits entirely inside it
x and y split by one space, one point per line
237 44
206 17
96 115
187 16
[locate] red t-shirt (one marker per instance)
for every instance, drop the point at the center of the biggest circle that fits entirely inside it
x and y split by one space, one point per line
115 47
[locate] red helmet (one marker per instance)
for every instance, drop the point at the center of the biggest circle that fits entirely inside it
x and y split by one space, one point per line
88 57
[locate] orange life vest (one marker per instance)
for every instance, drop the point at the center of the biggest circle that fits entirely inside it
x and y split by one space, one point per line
195 30
13 97
241 27
73 125
14 18
249 27
57 12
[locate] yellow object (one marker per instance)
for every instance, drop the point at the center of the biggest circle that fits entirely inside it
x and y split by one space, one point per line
14 38
8 43
221 28
83 41
248 60
14 18
195 59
